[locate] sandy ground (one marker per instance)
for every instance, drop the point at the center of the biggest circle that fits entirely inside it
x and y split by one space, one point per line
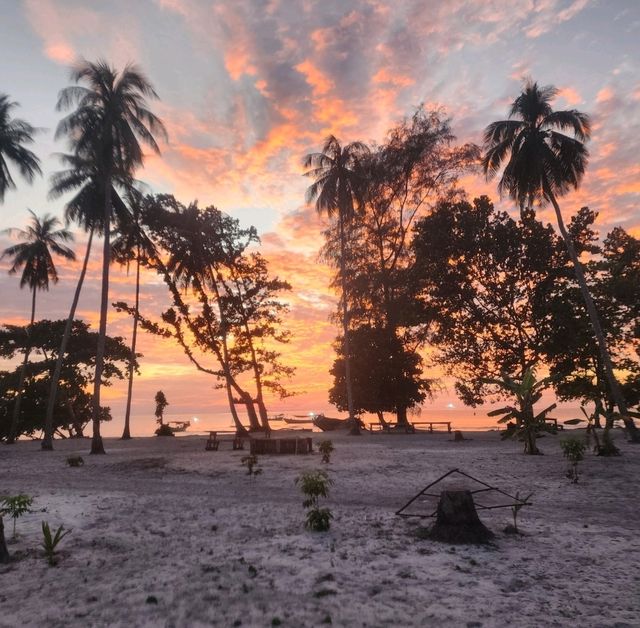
166 534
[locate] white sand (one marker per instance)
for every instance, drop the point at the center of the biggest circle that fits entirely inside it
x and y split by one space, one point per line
162 517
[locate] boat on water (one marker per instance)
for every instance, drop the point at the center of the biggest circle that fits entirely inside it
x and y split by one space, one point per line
178 426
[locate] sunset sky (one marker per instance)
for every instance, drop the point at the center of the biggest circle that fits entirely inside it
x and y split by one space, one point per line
248 87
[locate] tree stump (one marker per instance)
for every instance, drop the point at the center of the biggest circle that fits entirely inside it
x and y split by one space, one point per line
4 552
458 436
457 520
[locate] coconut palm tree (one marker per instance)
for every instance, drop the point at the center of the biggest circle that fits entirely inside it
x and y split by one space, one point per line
83 176
110 121
540 162
41 239
338 189
14 134
132 245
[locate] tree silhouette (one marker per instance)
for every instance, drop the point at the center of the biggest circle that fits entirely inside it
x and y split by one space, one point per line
83 176
338 188
540 163
110 121
132 245
14 134
34 256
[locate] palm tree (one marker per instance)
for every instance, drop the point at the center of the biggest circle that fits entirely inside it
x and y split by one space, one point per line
338 189
540 163
85 208
14 134
34 257
109 123
132 244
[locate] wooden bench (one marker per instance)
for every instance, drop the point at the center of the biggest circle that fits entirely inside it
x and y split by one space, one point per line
430 424
213 442
376 426
390 428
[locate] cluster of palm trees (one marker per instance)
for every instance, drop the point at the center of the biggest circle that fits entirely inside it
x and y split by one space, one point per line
107 125
538 154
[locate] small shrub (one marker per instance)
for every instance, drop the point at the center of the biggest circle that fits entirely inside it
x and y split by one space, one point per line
15 506
164 430
325 447
573 450
314 485
251 462
51 541
75 461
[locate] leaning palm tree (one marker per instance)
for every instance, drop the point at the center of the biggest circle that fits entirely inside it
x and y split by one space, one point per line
41 239
14 134
539 163
132 245
82 176
110 121
338 189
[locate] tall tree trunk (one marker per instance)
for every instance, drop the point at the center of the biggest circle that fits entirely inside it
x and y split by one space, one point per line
13 431
254 422
97 446
614 386
355 426
47 441
401 415
126 434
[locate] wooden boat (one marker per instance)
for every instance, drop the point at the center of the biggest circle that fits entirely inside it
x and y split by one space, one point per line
178 426
329 424
301 421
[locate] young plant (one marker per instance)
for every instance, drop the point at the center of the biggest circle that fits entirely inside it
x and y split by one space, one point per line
51 541
251 462
325 447
573 450
314 485
515 509
15 506
522 421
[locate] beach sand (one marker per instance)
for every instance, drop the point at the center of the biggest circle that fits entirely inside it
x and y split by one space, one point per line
162 519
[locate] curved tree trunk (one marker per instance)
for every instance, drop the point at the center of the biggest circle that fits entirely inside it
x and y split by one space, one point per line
355 426
47 441
240 429
614 386
97 446
126 434
13 431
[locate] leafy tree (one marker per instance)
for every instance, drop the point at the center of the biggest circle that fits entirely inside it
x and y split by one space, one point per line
338 189
225 304
387 377
14 135
34 256
542 163
110 120
72 410
481 281
613 276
